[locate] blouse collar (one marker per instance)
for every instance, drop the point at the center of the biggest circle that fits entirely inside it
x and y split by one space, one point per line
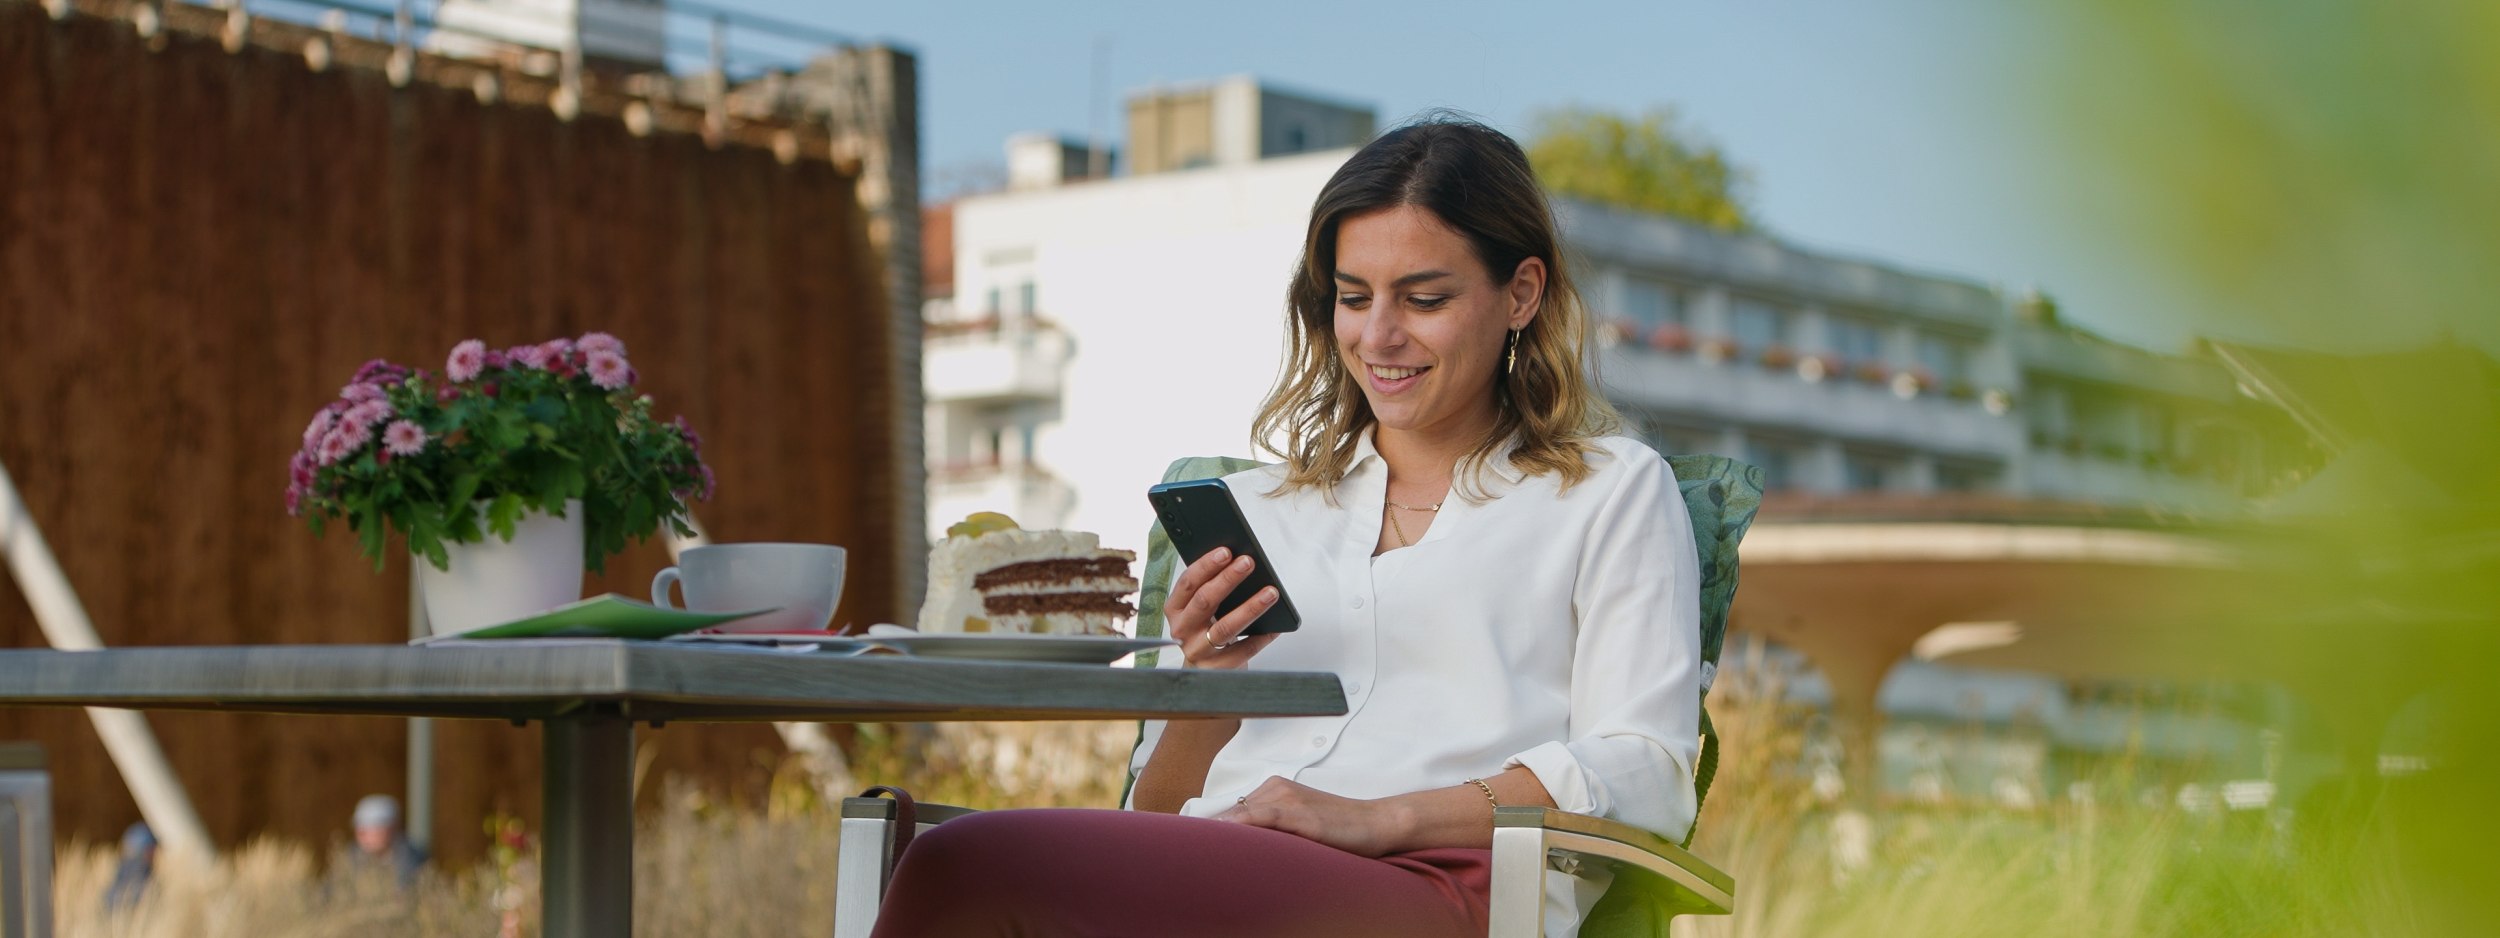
1499 463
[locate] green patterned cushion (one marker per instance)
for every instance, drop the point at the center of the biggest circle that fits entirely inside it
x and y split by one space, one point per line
1722 496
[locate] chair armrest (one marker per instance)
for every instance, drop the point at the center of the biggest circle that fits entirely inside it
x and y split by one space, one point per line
882 809
865 861
1528 840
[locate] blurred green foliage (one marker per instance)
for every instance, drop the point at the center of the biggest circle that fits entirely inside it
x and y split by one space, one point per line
2320 176
1648 163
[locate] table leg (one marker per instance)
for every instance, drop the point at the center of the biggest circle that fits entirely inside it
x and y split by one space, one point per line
587 882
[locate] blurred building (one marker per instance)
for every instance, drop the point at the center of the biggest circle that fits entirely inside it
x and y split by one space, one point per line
1841 378
620 35
1236 121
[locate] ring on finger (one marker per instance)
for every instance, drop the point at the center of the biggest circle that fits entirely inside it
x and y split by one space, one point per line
1213 645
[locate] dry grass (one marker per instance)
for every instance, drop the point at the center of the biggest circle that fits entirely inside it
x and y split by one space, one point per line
1804 867
701 866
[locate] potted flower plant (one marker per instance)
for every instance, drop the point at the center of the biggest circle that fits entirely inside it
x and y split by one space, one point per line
507 472
1715 350
1671 338
1616 331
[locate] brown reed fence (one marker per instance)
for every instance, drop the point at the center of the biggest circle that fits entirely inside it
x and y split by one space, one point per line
197 247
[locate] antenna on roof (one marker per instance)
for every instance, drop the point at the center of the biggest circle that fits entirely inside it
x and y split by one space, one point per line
1097 155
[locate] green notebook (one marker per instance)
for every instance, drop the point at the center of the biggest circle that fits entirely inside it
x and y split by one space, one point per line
604 616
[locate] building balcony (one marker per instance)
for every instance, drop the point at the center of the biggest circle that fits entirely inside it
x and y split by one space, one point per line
1028 493
1839 404
994 361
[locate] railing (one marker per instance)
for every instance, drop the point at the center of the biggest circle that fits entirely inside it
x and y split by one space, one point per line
723 45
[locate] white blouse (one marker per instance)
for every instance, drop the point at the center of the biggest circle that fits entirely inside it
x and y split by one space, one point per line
1554 630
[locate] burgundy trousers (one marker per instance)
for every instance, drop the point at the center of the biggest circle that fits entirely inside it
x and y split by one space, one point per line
1067 873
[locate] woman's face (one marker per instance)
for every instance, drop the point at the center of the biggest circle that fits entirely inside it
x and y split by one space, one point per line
1419 322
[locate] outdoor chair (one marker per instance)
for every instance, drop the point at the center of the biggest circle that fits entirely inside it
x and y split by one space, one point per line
1653 878
25 841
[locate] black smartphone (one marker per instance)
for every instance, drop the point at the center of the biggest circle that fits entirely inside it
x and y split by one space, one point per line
1200 516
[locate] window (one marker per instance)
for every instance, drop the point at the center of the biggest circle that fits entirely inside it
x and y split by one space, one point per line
1759 325
1778 462
1651 303
1856 341
1866 472
1024 299
1961 477
1668 438
992 307
1947 359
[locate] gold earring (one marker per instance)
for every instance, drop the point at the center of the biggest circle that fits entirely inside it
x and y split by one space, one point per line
1510 362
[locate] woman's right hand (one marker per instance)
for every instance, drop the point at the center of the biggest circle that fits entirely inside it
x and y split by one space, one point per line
1208 641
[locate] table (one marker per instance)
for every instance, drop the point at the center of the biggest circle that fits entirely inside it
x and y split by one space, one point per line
591 692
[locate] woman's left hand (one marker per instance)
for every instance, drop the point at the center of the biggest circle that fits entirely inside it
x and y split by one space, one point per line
1357 826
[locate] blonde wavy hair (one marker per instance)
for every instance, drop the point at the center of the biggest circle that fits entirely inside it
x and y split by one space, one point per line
1477 181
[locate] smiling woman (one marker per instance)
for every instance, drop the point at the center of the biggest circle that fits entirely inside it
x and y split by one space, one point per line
1433 248
1533 641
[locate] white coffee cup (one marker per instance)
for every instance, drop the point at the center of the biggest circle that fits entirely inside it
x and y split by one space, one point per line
802 582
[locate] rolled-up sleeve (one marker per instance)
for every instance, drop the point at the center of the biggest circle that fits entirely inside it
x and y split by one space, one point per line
1635 692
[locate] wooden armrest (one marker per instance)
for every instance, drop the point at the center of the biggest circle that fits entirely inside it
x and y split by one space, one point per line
1692 885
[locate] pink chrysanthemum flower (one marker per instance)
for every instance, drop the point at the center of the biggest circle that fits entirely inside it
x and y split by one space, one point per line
361 393
558 352
403 438
355 431
600 342
534 356
378 371
320 427
368 413
608 370
467 358
341 443
299 470
294 501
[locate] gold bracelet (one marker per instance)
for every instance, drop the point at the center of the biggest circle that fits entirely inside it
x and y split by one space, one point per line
1488 792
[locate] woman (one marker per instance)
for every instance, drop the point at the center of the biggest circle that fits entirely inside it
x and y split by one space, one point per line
1509 595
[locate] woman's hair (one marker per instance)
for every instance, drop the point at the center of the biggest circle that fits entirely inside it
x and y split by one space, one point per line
1476 180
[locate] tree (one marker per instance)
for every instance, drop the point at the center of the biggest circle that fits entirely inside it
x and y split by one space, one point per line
1647 163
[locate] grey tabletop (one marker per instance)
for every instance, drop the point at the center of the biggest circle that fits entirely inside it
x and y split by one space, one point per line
639 681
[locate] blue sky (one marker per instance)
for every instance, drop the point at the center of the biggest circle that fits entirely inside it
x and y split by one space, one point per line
1905 131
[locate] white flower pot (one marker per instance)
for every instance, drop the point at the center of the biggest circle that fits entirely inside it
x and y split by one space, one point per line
493 581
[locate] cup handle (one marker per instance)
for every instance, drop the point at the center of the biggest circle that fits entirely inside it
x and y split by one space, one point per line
659 587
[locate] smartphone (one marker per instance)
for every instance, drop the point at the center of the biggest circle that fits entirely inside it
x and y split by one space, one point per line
1200 516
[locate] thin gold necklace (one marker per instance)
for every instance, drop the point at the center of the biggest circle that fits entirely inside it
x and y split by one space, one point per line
1400 528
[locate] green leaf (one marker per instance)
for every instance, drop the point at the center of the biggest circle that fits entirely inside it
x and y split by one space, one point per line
503 517
463 491
369 531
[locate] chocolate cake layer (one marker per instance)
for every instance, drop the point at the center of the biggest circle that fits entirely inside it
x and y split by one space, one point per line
1045 571
1058 602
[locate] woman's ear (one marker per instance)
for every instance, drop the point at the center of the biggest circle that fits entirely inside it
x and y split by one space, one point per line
1527 291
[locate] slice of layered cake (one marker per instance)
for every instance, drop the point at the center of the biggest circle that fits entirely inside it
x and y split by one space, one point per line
991 576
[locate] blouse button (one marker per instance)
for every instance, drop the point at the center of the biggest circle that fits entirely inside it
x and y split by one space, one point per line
1358 602
1318 741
